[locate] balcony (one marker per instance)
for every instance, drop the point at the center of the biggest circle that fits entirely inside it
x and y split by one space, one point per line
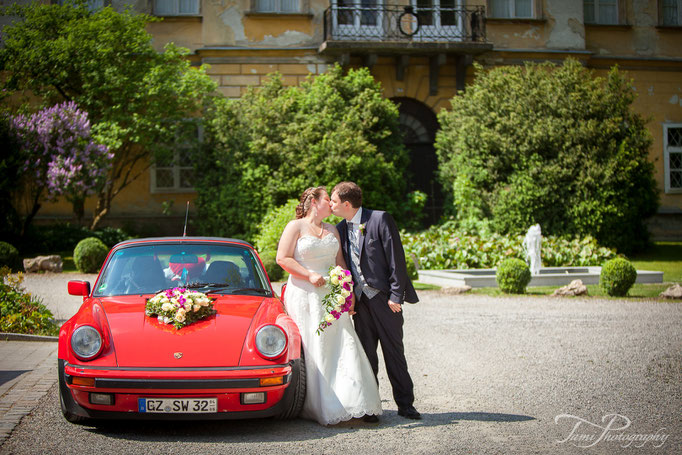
371 28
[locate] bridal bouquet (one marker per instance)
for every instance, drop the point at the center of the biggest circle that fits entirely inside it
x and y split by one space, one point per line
339 299
179 307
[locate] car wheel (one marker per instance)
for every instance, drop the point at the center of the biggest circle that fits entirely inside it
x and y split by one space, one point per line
299 393
73 418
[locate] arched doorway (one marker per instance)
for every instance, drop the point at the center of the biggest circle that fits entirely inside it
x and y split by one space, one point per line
419 125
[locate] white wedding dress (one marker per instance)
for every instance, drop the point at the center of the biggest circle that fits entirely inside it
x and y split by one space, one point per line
340 381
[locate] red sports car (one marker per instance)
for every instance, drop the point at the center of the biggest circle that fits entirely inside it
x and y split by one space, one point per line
242 360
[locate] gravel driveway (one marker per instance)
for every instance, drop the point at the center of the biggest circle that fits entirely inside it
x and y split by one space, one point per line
492 375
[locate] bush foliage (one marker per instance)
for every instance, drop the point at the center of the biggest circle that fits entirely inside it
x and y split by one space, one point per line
449 247
512 276
20 312
617 277
9 256
89 255
552 145
41 239
268 146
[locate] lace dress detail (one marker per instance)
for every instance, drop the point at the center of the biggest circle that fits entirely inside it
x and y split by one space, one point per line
340 381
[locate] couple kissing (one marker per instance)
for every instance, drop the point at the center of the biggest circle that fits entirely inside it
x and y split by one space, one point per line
342 362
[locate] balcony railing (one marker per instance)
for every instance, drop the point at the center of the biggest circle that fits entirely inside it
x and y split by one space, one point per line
362 22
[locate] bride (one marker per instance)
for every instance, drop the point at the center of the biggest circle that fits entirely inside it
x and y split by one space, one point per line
340 381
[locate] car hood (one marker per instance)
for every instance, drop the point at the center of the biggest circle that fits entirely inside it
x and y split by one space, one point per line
216 341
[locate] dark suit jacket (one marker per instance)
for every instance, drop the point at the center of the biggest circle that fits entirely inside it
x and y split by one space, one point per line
382 258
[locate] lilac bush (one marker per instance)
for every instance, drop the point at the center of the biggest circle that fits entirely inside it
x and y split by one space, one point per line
61 156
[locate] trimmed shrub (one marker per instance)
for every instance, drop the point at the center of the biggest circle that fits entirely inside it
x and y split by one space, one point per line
513 275
20 312
275 272
57 237
89 255
412 272
553 145
617 277
9 256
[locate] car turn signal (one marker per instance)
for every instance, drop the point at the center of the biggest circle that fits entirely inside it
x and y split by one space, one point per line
89 382
278 380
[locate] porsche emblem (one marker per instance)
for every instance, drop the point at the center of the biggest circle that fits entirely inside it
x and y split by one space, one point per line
177 355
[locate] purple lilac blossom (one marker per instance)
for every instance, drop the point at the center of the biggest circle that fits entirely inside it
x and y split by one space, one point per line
61 151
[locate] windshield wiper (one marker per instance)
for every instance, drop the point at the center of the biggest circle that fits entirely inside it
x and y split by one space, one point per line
207 285
260 291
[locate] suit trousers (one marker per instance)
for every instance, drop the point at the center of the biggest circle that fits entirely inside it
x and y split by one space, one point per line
374 323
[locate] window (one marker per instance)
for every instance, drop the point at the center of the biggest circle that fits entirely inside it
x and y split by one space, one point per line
277 6
174 172
93 5
601 11
670 12
511 9
672 151
176 7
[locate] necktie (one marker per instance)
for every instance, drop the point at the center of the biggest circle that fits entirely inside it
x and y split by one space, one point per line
354 247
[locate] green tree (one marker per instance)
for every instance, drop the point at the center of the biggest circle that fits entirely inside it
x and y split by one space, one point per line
272 143
105 62
553 145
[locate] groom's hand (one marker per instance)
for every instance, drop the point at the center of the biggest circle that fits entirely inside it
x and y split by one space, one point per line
395 307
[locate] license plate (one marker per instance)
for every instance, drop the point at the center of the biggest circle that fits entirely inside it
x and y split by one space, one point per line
177 405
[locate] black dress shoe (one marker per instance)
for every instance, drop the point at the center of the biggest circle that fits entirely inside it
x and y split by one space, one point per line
409 413
370 418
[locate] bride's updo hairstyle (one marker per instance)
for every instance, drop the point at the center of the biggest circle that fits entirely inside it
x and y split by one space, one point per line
306 199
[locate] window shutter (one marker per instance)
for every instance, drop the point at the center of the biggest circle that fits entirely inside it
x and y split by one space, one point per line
189 7
289 6
164 7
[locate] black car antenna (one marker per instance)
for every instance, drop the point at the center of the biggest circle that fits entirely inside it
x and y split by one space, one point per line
184 230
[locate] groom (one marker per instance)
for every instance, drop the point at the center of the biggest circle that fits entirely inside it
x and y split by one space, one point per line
372 249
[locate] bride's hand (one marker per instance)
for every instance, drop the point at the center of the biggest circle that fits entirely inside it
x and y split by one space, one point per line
351 310
316 279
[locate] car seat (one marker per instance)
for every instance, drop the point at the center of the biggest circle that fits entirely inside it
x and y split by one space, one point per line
223 272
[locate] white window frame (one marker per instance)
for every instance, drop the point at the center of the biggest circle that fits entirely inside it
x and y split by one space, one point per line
175 168
512 11
597 21
667 150
679 14
176 9
277 8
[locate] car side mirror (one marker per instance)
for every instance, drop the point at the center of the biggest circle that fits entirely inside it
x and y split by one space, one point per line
79 288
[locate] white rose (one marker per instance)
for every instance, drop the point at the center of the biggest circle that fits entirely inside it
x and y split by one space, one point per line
334 279
337 308
344 293
180 315
329 318
167 307
340 299
347 279
174 301
197 308
167 320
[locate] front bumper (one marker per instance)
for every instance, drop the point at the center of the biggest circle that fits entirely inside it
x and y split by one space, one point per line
128 385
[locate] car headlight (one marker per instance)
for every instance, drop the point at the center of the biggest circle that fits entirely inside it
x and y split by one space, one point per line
86 342
271 341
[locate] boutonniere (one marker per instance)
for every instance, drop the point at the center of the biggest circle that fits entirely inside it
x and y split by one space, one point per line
362 229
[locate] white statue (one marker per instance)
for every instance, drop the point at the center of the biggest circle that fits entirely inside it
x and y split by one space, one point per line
532 244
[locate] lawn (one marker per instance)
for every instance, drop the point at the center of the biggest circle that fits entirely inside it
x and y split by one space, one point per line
664 257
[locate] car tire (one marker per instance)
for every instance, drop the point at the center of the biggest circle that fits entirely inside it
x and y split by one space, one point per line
69 416
299 393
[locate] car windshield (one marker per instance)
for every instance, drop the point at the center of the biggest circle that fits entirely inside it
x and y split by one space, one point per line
208 267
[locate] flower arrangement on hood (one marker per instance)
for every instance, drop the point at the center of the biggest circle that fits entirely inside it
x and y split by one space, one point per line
179 307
